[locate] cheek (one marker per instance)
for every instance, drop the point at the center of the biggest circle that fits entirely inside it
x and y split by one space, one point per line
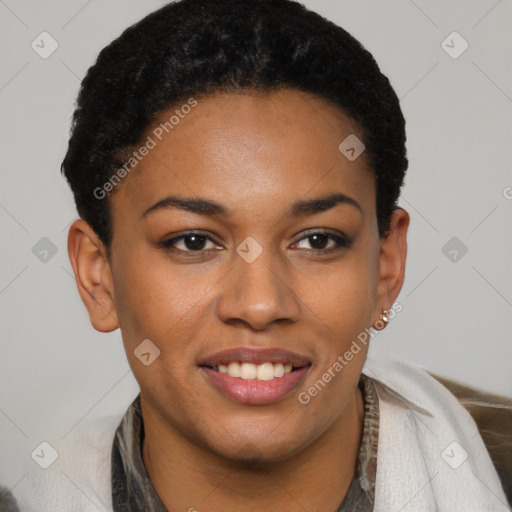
151 296
343 307
343 297
156 304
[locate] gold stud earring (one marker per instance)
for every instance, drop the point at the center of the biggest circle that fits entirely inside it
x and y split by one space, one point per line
385 316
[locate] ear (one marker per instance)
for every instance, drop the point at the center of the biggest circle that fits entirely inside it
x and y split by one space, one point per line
393 253
93 275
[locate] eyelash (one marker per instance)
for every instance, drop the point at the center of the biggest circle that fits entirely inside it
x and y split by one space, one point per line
341 241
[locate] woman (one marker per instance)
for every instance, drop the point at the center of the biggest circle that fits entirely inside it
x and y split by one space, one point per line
236 165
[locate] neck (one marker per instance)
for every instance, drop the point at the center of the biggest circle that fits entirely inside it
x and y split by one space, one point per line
189 477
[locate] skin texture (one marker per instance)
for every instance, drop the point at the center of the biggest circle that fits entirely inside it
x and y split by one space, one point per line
256 154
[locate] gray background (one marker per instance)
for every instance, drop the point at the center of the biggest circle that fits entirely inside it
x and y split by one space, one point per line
456 320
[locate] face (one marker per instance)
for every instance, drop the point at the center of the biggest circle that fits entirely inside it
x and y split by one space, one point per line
245 241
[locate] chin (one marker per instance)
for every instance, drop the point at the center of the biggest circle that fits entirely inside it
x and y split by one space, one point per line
256 451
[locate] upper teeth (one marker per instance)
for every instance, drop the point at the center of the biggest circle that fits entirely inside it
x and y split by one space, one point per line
265 371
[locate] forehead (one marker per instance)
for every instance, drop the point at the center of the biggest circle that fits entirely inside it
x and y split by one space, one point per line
248 150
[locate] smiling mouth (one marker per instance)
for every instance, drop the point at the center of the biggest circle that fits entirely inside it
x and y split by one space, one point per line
251 371
255 376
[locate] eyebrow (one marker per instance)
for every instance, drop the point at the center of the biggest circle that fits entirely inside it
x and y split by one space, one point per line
203 206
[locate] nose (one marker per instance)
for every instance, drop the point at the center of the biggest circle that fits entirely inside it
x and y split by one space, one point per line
258 293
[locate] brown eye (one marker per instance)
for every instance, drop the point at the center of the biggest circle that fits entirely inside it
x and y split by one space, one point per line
191 242
324 242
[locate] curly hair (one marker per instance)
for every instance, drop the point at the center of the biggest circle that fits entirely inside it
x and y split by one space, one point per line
200 47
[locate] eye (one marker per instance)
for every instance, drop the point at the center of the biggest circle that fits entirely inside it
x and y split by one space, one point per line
190 242
324 242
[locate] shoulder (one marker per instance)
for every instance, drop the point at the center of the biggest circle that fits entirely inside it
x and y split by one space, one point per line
80 477
460 407
493 417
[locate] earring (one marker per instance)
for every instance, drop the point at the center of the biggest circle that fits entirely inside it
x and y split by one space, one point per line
385 316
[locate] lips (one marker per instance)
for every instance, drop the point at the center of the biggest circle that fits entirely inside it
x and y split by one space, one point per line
256 356
255 376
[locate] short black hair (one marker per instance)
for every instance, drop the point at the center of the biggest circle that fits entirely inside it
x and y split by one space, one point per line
200 47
